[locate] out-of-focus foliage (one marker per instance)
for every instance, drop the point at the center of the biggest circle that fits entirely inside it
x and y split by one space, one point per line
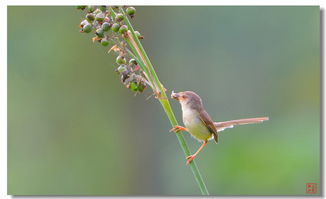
74 129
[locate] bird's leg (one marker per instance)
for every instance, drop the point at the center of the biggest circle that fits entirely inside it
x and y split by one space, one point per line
177 129
192 157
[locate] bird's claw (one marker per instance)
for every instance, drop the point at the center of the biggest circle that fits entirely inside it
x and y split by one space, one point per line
190 159
177 129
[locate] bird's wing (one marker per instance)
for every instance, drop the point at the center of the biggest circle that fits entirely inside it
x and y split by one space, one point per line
209 124
220 126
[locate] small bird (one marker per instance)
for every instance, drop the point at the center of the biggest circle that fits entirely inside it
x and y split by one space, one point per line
199 124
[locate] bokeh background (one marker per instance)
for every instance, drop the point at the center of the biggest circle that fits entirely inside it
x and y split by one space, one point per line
73 129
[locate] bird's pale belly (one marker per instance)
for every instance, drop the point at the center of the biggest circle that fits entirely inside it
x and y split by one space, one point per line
196 127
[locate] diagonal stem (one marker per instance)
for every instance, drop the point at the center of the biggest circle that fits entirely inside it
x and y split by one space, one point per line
162 97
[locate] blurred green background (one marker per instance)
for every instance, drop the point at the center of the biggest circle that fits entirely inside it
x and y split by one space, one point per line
73 129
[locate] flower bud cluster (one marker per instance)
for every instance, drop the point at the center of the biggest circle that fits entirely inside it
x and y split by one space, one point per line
102 19
109 28
131 75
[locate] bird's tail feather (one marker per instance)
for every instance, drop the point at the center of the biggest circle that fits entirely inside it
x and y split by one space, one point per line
220 126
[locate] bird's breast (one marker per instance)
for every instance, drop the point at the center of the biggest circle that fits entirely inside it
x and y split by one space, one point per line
195 125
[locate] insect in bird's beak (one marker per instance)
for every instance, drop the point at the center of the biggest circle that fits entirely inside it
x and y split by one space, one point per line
175 95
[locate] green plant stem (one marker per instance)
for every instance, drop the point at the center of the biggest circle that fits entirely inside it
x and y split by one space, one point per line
143 67
141 64
162 97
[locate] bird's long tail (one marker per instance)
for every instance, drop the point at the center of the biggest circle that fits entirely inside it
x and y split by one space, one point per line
220 126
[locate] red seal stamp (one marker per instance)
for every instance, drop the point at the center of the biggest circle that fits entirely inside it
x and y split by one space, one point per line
311 188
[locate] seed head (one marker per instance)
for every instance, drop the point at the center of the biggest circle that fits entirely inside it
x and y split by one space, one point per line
106 26
115 27
100 33
102 8
91 8
100 17
122 68
121 60
139 35
90 17
131 11
104 42
132 62
81 7
87 28
123 29
119 17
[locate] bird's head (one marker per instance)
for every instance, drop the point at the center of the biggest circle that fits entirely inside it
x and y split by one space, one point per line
187 98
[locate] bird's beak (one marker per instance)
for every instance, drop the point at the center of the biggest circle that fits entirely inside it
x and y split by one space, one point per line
175 95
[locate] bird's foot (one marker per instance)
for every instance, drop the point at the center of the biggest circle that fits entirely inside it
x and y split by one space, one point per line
190 159
178 128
